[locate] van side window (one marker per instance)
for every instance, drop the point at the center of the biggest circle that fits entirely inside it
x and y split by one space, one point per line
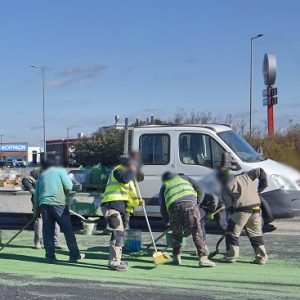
199 149
194 149
155 149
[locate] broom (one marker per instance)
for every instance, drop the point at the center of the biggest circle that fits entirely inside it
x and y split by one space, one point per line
20 231
217 251
88 220
158 257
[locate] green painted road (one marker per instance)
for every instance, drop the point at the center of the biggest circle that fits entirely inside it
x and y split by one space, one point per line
23 270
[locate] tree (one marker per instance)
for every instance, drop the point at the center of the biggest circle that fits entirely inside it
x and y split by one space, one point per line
104 146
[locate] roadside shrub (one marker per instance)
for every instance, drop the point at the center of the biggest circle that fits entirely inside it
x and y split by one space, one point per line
104 146
284 146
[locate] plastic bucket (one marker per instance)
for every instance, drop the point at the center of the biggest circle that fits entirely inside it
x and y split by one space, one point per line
132 240
89 228
169 239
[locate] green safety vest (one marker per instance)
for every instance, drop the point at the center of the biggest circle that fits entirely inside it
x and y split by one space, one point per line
116 191
177 188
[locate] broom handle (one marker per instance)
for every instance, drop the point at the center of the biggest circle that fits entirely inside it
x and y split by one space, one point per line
146 216
218 210
21 230
77 215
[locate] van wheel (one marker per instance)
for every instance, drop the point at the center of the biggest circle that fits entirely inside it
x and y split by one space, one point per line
266 211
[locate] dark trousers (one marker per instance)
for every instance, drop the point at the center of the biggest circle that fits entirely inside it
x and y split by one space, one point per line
61 215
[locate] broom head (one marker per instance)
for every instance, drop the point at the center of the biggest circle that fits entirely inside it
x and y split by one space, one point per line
161 257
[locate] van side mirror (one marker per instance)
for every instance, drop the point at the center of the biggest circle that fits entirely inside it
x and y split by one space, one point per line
259 150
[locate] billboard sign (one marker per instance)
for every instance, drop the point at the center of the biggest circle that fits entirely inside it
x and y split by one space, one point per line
269 69
14 147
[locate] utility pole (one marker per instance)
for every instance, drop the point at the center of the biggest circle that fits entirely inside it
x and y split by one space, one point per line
68 146
42 68
1 136
251 79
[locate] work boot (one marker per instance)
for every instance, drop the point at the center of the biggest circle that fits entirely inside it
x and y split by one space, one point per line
205 262
122 267
75 260
227 259
259 261
51 260
38 246
177 260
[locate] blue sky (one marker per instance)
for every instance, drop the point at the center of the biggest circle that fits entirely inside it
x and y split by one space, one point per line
138 58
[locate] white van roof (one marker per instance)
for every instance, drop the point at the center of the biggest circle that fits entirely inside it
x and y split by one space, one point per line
214 127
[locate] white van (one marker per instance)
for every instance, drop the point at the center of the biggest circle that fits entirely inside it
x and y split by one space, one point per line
196 150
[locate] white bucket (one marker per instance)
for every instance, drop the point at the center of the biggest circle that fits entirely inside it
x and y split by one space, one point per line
89 228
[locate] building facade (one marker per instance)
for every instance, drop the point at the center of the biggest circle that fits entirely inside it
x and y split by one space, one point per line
63 149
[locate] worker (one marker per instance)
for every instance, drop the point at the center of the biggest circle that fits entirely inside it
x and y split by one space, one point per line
119 190
241 198
29 183
179 200
50 199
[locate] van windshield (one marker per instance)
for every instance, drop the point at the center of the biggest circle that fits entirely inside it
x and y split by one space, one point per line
240 147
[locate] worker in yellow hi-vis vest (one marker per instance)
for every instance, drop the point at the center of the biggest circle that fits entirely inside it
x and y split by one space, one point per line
120 195
179 199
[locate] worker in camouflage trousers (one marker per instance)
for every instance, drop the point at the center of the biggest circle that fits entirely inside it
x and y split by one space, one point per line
179 196
242 200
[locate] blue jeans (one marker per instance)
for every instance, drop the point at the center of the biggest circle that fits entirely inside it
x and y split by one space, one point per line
61 215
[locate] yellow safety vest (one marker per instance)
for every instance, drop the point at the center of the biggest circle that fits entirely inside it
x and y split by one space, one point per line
177 188
134 200
116 191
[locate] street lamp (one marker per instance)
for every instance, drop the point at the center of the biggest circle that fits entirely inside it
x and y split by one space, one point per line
1 136
251 71
44 121
68 146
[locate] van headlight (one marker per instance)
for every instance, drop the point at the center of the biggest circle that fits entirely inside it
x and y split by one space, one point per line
283 183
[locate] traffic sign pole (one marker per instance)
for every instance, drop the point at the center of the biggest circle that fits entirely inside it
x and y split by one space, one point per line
270 120
270 93
270 113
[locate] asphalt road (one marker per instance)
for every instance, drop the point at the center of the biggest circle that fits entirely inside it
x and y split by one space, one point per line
75 289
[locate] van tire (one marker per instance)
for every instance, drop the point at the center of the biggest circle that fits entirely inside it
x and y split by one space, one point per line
266 211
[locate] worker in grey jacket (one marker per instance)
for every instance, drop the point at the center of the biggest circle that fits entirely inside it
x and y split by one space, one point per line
241 199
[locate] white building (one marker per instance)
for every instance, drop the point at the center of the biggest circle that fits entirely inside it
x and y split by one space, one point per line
33 154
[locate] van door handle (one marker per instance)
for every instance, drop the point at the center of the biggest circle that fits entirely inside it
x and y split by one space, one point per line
172 165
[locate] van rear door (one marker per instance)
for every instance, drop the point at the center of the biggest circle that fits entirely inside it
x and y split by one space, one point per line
157 154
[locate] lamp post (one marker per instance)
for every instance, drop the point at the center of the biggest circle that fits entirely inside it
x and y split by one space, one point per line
44 120
251 77
68 145
1 136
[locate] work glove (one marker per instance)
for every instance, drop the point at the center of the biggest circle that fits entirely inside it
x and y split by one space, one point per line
210 216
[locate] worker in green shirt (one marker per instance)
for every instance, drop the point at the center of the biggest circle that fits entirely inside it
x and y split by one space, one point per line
50 198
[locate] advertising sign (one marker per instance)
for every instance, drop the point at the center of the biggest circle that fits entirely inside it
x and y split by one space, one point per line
14 147
269 69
